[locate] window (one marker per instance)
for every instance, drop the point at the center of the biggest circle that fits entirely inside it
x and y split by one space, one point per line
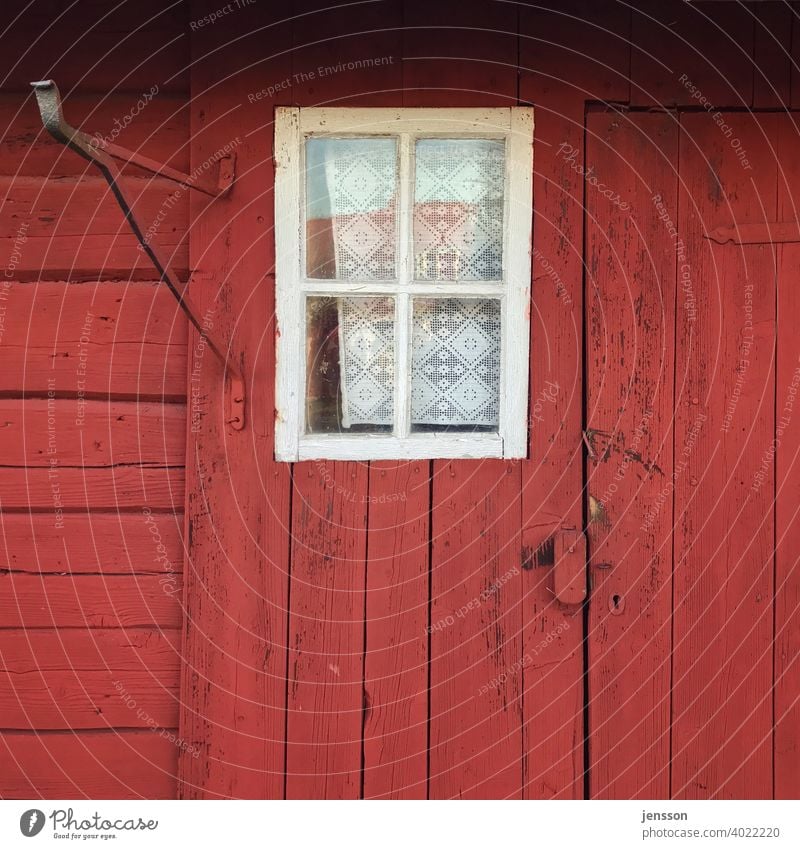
403 282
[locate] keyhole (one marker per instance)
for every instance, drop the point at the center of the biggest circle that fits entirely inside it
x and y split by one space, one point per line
616 603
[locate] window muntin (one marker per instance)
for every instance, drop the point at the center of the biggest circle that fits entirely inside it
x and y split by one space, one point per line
409 279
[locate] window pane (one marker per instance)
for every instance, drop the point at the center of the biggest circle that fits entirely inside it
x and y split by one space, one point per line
455 364
458 209
351 187
349 365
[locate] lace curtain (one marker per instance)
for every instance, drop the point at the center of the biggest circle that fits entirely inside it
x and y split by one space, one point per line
455 361
457 233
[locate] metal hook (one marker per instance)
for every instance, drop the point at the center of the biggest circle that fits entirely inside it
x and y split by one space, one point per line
102 154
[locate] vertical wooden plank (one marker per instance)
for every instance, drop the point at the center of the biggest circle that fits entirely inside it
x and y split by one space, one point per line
557 83
552 476
458 54
724 428
353 56
327 701
326 631
396 663
233 689
631 257
683 52
787 483
476 625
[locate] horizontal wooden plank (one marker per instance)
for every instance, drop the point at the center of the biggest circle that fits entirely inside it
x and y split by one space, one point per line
85 206
117 257
113 313
90 601
76 432
91 765
79 650
160 131
96 45
63 700
123 370
61 489
92 543
122 339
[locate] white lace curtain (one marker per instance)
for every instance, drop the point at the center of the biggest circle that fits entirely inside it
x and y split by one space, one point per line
457 231
455 361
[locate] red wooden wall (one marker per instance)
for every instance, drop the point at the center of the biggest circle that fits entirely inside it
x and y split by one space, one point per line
309 658
93 406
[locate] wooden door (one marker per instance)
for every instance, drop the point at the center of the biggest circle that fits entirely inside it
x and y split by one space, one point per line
691 374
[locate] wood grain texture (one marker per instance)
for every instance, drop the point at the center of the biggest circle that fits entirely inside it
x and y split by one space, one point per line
552 477
61 489
327 699
83 433
89 601
77 675
476 632
326 631
63 700
233 683
92 543
91 257
723 579
89 765
125 340
84 206
631 257
507 702
158 130
129 650
787 482
396 650
441 69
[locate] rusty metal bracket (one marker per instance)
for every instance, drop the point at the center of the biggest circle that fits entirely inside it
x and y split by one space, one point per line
102 154
769 233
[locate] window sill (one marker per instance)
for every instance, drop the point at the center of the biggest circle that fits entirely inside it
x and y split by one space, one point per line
424 446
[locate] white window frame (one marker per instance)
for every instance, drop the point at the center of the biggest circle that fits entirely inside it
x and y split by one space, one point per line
292 125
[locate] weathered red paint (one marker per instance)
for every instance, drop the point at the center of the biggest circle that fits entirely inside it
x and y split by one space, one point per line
631 296
307 648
